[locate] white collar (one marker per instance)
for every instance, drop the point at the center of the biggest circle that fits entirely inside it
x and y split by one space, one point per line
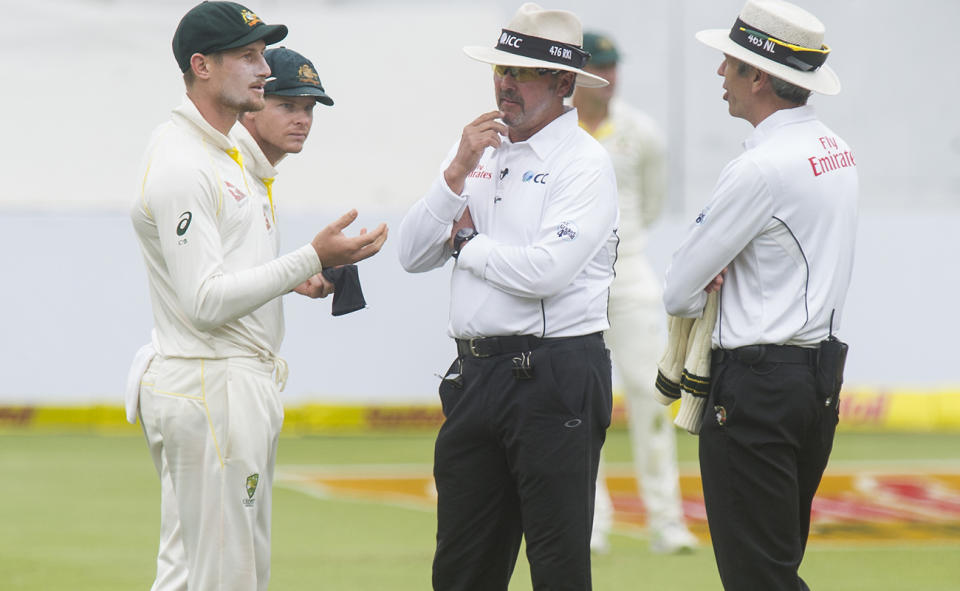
776 120
547 139
257 162
189 113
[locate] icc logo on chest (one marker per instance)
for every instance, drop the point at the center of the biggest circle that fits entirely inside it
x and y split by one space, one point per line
539 178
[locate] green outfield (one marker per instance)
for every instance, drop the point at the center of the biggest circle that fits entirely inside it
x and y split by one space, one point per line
81 512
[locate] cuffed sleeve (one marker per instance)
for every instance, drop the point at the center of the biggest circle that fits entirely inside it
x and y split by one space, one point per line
425 230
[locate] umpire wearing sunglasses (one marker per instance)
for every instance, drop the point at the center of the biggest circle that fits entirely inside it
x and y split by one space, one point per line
776 239
526 211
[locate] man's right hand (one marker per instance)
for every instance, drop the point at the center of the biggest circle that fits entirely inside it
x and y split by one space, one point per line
465 221
336 248
482 133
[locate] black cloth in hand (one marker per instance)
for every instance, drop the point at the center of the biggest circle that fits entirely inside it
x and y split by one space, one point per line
347 294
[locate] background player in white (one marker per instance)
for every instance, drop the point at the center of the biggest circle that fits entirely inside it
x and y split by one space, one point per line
209 400
635 336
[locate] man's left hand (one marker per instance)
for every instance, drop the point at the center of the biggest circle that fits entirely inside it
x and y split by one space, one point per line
315 287
716 283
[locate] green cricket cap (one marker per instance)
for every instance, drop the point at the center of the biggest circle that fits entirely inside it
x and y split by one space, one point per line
213 26
603 51
293 75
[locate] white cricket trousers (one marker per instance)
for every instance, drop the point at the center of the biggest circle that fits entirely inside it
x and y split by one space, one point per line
212 427
636 340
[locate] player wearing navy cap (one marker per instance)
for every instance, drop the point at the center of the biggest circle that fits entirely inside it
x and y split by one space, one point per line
280 128
208 399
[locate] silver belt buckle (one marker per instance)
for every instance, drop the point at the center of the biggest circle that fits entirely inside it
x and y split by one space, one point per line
473 348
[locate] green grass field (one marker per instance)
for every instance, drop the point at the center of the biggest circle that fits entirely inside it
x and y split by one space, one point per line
81 512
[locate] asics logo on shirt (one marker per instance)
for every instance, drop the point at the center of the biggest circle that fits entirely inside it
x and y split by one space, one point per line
702 216
184 223
539 178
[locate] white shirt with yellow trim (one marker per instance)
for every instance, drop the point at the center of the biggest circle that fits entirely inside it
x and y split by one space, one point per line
546 210
637 150
783 219
261 177
212 265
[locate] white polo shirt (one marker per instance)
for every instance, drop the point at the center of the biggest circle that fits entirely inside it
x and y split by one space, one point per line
783 219
210 253
546 210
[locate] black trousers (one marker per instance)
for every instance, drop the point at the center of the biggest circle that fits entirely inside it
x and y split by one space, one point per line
518 457
766 438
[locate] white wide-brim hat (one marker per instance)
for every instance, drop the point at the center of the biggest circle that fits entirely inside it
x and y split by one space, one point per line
539 38
781 39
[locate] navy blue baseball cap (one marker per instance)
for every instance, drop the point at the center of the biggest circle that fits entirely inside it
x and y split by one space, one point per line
213 26
293 75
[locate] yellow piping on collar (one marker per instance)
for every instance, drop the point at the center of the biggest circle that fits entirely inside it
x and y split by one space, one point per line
237 157
268 183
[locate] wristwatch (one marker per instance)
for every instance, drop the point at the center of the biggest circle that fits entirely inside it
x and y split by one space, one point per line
463 236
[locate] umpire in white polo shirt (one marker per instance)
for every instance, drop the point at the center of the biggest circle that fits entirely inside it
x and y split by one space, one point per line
526 208
777 240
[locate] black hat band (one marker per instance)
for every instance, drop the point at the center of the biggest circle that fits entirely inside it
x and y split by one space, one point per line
542 49
788 54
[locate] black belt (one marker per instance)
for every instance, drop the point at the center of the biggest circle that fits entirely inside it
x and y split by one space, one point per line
490 346
754 354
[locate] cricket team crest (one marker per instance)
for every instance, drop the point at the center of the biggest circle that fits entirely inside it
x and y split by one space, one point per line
604 44
250 18
307 75
252 481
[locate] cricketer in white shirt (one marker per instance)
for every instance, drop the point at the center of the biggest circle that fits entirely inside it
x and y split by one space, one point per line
209 400
637 150
214 281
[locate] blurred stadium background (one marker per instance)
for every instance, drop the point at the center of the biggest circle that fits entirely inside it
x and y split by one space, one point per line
89 79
